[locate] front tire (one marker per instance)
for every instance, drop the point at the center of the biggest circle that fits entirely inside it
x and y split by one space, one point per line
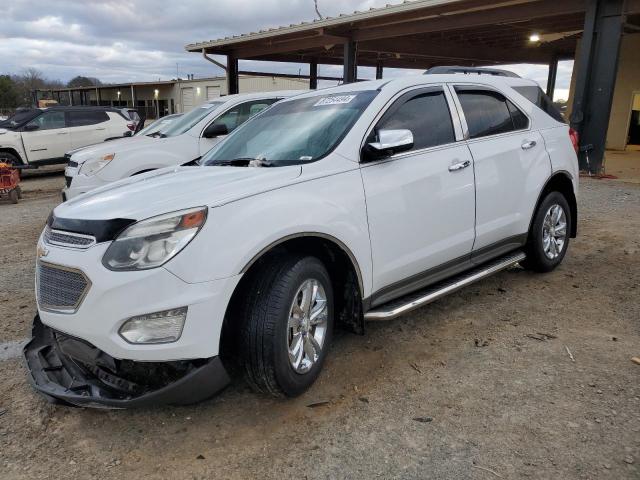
288 325
549 236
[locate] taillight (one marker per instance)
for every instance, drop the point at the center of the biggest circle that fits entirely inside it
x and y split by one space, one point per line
575 139
131 126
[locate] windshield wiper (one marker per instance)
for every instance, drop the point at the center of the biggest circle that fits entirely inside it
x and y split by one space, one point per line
244 162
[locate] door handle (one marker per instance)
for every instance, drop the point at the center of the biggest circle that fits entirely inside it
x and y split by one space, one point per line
459 166
528 144
100 128
63 133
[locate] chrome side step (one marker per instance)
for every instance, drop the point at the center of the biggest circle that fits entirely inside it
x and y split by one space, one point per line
427 295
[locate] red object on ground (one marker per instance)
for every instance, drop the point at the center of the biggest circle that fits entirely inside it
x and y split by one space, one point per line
9 182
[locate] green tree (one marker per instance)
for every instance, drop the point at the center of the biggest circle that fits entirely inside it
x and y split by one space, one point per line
8 93
81 81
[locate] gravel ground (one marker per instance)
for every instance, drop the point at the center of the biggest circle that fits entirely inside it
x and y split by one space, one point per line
479 385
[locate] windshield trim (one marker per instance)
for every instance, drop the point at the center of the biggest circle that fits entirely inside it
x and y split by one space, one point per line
286 163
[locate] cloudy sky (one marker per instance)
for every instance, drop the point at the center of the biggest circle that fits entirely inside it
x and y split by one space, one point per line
143 40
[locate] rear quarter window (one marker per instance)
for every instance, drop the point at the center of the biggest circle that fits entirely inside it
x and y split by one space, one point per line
536 96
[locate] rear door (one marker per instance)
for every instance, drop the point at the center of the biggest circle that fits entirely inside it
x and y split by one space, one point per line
511 164
87 127
420 203
233 118
50 138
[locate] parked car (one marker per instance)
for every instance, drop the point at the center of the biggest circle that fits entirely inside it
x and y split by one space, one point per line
360 202
41 136
155 126
185 140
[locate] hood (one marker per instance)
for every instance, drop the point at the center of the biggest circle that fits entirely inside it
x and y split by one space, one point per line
175 188
119 146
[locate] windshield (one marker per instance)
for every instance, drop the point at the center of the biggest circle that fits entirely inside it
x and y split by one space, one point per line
188 120
158 126
294 131
19 118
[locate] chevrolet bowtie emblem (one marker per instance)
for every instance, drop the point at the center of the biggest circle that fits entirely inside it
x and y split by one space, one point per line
42 251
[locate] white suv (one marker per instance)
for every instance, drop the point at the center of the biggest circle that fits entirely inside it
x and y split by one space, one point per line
186 139
42 136
354 203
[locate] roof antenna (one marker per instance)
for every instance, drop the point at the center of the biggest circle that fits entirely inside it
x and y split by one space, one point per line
318 11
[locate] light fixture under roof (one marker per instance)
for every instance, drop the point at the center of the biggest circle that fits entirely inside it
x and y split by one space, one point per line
534 38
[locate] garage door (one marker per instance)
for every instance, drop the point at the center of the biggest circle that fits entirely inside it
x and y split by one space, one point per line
213 93
187 99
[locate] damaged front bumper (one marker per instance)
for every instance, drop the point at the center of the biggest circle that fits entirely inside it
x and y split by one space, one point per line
68 370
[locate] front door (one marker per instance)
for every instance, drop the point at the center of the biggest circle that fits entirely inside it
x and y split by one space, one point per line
420 203
49 138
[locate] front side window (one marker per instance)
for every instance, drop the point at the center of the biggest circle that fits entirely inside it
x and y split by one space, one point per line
49 120
489 112
293 131
426 114
189 120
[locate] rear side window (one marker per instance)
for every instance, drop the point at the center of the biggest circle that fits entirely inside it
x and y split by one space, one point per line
489 113
426 114
81 118
536 96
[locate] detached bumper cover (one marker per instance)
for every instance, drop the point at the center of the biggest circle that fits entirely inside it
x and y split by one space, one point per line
72 371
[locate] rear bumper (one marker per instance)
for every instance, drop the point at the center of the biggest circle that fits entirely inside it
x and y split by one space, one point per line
67 370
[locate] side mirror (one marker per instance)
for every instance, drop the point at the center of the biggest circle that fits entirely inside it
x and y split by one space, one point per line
215 130
31 127
389 143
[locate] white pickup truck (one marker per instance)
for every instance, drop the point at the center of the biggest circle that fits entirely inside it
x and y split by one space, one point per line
359 202
186 139
42 136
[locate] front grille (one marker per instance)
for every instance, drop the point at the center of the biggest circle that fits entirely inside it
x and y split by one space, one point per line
67 180
60 289
67 239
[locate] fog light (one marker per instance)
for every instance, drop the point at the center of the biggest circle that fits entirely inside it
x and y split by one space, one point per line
159 327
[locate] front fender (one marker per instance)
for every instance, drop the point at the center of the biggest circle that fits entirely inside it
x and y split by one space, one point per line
236 233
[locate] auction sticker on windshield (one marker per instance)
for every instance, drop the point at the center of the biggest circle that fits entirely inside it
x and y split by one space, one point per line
339 100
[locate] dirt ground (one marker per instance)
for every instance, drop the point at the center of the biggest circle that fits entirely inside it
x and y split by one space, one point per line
479 385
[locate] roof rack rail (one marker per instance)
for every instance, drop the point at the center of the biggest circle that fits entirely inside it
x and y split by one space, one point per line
470 71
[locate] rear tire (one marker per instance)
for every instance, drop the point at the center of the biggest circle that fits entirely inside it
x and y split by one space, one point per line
287 325
13 196
549 236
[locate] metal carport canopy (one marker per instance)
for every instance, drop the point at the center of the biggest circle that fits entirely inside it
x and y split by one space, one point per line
427 33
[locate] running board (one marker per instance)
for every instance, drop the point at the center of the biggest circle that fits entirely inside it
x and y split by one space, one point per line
410 302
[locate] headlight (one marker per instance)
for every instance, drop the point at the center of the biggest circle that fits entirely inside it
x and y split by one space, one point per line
153 242
91 167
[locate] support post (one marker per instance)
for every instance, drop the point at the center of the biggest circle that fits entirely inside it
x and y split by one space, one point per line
70 99
379 71
233 86
133 97
313 75
596 70
553 74
350 73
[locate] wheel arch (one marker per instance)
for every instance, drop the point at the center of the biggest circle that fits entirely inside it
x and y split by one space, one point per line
343 267
562 182
13 152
